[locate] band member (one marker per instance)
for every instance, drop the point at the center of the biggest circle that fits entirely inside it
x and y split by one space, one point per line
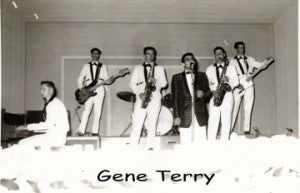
148 75
245 66
221 82
191 93
56 124
92 73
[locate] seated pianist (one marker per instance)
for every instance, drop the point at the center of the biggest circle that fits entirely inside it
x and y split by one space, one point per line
53 131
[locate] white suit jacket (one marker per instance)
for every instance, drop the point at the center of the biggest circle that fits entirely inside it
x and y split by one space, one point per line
252 63
213 80
138 83
56 120
85 76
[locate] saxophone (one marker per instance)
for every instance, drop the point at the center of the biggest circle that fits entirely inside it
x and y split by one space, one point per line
149 88
222 87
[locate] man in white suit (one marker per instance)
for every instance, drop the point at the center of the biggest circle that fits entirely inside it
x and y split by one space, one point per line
245 66
223 112
56 124
92 73
148 72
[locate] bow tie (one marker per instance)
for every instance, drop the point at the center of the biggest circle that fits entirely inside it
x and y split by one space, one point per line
147 65
241 57
188 72
220 66
95 63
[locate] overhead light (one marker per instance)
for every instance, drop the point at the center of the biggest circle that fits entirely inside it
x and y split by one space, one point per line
14 4
36 16
226 43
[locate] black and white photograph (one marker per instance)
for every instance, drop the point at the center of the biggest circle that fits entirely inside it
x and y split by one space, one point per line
149 96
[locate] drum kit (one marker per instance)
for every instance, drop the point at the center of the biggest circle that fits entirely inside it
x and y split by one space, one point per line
165 120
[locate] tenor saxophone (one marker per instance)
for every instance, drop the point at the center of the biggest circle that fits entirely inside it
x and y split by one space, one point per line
222 87
149 88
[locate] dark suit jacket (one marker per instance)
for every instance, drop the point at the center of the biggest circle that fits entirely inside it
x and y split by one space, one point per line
182 99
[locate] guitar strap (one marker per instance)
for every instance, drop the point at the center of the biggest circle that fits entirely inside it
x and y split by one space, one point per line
95 79
240 65
247 65
98 72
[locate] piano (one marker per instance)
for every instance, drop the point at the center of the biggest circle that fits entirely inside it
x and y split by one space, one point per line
10 122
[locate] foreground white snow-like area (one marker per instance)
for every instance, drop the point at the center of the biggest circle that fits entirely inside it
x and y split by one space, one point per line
262 165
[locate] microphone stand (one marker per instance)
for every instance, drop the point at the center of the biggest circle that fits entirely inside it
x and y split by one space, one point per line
192 67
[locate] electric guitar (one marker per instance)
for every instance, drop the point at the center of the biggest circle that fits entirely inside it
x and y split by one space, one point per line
244 83
86 92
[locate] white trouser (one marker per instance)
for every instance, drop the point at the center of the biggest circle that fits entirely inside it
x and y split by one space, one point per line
222 113
248 97
96 102
194 133
47 139
149 115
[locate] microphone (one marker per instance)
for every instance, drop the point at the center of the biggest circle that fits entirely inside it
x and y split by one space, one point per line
221 58
192 67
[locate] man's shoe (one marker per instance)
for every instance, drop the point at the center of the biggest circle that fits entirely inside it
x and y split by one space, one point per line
91 134
247 132
257 132
175 131
78 134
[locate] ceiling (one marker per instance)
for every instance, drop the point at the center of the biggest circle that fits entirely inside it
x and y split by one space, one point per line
169 11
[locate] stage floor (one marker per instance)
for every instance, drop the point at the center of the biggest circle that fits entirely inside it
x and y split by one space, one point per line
261 165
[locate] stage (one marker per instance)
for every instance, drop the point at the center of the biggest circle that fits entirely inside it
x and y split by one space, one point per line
261 165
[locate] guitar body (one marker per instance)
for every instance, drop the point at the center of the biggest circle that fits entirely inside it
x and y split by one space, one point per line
245 80
246 84
84 94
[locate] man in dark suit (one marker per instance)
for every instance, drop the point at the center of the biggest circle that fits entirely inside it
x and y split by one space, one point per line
191 93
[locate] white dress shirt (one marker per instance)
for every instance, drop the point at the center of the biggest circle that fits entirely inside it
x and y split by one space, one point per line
85 75
56 119
190 84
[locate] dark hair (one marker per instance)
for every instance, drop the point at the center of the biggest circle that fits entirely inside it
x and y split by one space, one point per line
220 48
194 58
236 44
149 48
187 54
96 49
51 85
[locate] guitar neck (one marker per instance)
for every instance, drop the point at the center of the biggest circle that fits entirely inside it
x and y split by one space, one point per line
254 74
258 70
104 82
